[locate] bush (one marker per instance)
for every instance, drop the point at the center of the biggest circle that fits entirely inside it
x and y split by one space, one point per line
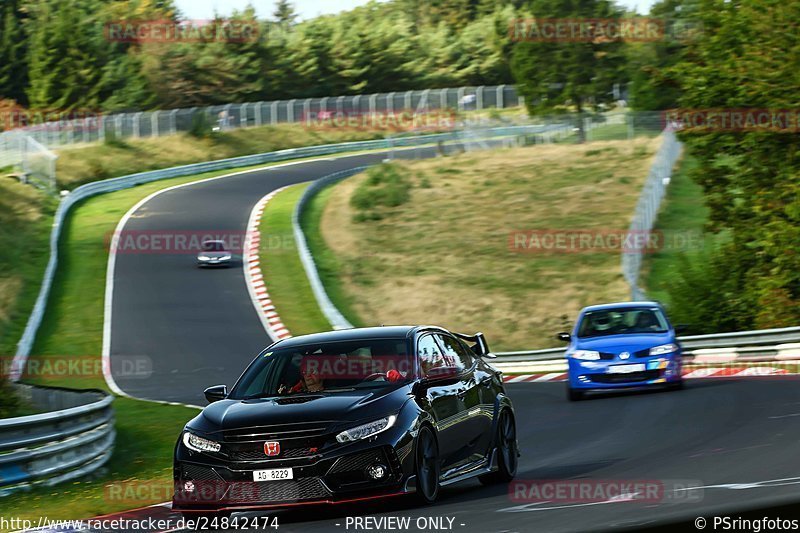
386 186
201 126
9 401
706 291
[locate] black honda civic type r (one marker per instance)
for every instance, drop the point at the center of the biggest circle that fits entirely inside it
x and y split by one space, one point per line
347 416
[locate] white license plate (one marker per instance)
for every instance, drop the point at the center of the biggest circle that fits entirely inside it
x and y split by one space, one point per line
273 474
626 369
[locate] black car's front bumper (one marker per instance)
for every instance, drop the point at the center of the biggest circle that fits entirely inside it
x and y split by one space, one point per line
205 482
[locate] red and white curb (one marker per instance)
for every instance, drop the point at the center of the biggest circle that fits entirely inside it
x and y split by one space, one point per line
254 273
688 373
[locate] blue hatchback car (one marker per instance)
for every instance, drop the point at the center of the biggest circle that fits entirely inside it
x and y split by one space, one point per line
620 345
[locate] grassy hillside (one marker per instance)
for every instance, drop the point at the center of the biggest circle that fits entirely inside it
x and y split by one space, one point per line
433 241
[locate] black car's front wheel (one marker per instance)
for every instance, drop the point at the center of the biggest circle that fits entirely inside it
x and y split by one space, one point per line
507 451
428 468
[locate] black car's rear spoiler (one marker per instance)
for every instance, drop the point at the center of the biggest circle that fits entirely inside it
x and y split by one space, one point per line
477 343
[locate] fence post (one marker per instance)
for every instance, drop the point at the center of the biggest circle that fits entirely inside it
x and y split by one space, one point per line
340 104
154 124
290 111
390 103
443 98
257 114
479 98
373 102
273 112
501 104
137 131
306 109
407 100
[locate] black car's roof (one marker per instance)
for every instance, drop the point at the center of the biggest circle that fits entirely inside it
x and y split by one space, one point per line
382 332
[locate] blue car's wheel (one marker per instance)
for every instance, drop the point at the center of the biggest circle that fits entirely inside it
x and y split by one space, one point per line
574 395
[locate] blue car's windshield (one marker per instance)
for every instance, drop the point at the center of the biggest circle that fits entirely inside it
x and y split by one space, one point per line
327 367
622 321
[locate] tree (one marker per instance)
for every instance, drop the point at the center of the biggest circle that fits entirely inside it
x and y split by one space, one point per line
13 51
746 59
285 15
568 75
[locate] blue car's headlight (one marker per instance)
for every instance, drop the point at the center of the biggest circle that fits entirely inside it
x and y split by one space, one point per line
664 349
586 355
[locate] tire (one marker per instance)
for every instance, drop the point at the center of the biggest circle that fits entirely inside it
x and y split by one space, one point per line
507 451
678 385
428 467
574 395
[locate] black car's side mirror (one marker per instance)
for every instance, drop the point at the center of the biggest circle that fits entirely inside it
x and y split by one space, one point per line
216 393
682 328
566 337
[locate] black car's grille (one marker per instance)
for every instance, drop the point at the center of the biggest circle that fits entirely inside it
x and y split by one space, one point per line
309 488
647 375
257 454
280 432
199 473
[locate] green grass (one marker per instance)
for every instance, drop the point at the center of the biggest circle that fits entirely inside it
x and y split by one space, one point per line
444 256
683 212
285 276
25 222
329 265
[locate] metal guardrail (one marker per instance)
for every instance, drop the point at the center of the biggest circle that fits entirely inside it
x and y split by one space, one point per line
761 342
334 317
74 437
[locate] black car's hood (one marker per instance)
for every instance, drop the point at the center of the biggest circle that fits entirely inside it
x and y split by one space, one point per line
340 407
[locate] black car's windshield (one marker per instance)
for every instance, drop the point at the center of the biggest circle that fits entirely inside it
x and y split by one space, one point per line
622 321
213 246
329 367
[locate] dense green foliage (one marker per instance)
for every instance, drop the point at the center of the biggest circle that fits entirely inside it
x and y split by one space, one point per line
58 55
747 57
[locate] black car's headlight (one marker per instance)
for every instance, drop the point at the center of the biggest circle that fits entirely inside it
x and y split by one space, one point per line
199 444
366 430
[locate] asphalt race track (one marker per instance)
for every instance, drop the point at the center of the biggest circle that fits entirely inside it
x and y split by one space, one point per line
734 440
197 327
